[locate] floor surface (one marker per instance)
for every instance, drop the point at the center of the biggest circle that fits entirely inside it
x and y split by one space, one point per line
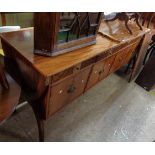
112 111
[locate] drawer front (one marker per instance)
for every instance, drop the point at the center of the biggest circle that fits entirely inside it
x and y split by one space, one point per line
79 82
95 73
123 57
100 71
63 74
88 62
106 67
68 89
60 94
119 60
131 52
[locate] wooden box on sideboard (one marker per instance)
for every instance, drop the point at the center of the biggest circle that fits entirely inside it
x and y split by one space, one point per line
58 33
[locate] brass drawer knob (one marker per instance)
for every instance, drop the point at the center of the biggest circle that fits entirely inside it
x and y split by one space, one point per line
100 72
77 68
71 89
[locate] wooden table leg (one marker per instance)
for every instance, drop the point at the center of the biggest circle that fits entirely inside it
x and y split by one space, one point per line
137 21
40 128
126 25
40 121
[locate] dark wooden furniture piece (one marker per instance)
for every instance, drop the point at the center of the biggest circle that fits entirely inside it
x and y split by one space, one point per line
126 16
49 83
150 50
118 37
147 20
58 33
9 94
146 78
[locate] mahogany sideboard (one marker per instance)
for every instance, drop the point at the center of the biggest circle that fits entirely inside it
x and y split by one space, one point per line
49 83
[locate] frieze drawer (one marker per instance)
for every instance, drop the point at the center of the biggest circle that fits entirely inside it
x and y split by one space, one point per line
67 89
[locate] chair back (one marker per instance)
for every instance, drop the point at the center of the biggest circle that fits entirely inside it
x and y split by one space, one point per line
3 80
9 89
147 19
9 94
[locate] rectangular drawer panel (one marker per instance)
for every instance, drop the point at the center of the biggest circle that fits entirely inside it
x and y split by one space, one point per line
100 71
64 91
79 82
106 67
59 95
123 57
95 73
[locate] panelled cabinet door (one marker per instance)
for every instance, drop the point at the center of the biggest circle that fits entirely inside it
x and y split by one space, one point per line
79 83
60 94
100 70
123 57
119 60
95 73
106 67
131 52
68 89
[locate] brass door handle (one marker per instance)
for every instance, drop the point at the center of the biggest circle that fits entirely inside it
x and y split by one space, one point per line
101 71
71 89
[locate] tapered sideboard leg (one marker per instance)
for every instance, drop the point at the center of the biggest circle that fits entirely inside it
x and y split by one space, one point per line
40 128
40 121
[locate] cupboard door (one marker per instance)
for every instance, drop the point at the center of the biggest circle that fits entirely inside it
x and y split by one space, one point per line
79 83
106 67
94 75
100 71
123 57
60 94
120 59
131 52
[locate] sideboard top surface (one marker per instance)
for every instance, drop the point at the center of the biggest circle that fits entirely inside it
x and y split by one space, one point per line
22 42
